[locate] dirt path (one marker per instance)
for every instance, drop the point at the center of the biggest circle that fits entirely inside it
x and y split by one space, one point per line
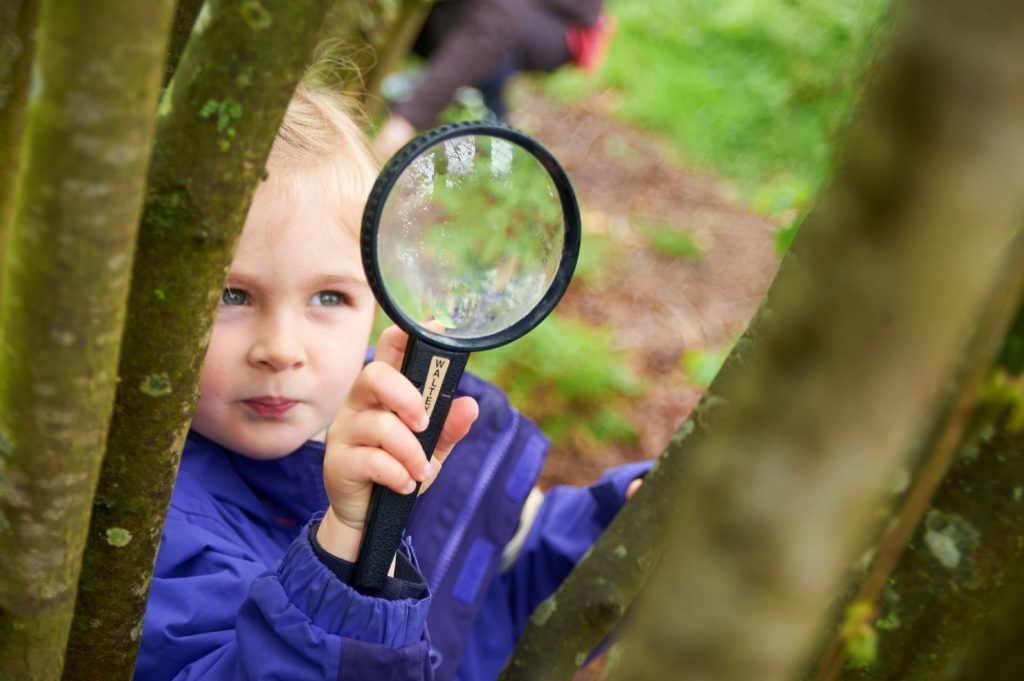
658 306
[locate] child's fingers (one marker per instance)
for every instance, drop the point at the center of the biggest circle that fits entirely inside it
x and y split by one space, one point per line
461 416
393 342
380 385
633 486
382 469
391 346
379 429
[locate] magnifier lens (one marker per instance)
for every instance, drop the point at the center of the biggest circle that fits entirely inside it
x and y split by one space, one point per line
476 226
471 235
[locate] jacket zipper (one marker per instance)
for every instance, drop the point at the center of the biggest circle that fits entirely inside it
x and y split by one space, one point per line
451 547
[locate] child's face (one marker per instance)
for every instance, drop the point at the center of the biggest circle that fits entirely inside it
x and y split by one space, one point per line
291 330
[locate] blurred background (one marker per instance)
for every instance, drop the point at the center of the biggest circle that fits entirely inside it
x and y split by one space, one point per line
695 149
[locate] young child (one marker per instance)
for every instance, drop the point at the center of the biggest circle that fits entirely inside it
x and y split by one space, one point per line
290 432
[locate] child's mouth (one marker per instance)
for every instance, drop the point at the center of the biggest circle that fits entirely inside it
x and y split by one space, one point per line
270 407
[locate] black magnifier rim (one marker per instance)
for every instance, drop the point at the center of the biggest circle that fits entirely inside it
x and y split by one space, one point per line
382 188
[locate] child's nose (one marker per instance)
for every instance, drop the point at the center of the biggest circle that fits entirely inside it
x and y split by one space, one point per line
278 347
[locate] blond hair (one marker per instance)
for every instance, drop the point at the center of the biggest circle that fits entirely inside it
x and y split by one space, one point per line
320 146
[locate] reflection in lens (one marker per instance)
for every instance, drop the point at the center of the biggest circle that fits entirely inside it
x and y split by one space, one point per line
471 235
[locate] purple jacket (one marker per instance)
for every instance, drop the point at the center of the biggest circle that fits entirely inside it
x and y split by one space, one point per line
238 593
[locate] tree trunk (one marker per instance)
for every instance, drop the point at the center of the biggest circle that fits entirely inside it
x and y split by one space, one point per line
17 46
215 125
87 141
936 617
968 413
866 325
839 376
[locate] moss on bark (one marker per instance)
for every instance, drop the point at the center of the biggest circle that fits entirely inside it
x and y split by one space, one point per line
89 124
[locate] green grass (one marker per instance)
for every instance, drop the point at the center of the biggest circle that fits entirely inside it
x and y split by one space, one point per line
754 90
675 242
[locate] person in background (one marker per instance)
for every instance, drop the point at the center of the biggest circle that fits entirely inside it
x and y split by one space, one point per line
483 43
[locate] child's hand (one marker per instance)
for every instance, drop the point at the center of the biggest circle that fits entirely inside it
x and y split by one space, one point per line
633 486
372 441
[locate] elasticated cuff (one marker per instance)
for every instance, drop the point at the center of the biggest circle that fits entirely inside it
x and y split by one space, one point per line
336 607
407 582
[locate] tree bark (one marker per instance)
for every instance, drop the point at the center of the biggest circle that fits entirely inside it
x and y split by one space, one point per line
942 615
181 30
968 413
839 374
17 45
87 141
866 325
215 125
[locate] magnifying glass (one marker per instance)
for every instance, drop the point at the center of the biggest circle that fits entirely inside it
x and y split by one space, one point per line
472 227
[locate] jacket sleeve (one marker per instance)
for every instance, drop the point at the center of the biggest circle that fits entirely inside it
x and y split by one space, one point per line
567 524
217 612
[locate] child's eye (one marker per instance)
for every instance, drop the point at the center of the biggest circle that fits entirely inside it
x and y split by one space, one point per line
329 299
234 296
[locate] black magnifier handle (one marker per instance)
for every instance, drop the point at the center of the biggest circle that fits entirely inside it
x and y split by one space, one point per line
435 372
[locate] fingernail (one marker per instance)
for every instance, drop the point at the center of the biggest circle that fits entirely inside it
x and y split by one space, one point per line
425 471
423 423
410 487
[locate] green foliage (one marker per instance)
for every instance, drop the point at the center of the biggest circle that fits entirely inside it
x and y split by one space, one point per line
787 198
702 366
672 241
1002 390
597 253
748 88
859 635
567 376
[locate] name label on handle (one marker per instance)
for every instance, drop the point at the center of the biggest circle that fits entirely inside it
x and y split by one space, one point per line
435 377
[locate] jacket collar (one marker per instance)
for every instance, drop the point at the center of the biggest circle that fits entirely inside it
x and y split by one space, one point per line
283 491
